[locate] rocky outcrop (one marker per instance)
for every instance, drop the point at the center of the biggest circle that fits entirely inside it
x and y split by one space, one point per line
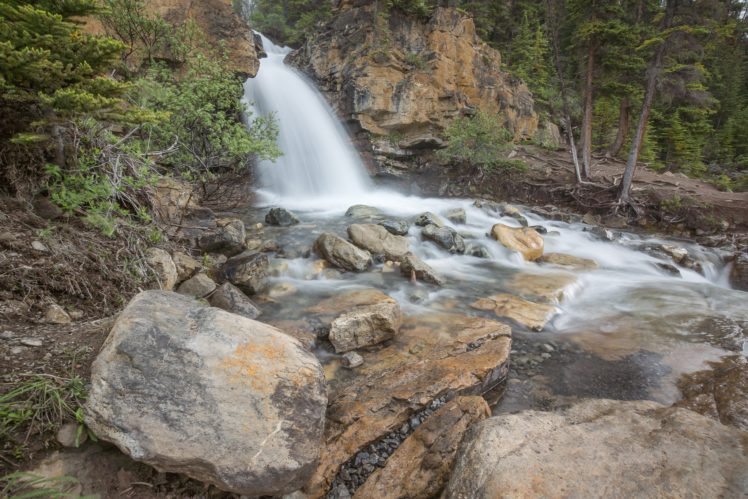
431 357
601 448
223 399
420 467
402 79
342 254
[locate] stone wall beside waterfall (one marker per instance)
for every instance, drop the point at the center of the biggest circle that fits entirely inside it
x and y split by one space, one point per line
400 80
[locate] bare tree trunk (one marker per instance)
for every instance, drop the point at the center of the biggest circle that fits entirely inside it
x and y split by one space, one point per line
623 127
586 138
655 67
553 23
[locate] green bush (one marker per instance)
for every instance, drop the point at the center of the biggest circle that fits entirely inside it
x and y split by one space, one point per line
479 140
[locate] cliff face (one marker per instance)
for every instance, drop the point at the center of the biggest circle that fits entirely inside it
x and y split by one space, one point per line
403 80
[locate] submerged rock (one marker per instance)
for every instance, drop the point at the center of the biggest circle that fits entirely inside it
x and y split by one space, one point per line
532 315
396 227
431 357
457 215
342 254
421 466
223 399
412 266
525 241
570 261
477 250
428 218
366 325
446 237
281 217
549 287
247 271
377 240
601 448
231 299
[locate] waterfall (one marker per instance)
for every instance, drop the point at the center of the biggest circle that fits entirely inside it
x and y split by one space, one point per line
319 162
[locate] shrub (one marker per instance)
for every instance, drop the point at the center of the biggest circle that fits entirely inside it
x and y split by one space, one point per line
479 140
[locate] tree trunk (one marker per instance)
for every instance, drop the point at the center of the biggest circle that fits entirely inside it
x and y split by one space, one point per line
655 67
623 128
586 138
553 24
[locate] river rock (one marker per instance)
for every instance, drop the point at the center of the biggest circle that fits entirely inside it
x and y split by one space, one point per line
446 237
247 271
739 272
532 315
162 264
570 261
525 241
352 360
231 299
227 238
396 227
199 286
720 392
186 266
512 212
601 448
548 288
281 217
363 211
456 215
221 398
428 218
366 325
477 251
342 254
421 466
431 357
411 266
377 240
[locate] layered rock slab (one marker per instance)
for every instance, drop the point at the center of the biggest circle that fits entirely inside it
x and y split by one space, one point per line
432 356
221 398
420 467
601 448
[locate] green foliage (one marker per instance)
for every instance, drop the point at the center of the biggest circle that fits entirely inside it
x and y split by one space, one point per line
27 485
529 58
288 22
479 140
421 8
416 60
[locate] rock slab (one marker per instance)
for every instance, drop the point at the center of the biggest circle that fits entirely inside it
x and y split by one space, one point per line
223 399
602 448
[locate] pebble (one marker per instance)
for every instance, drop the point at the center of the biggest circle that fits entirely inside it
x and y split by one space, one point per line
548 347
352 360
39 246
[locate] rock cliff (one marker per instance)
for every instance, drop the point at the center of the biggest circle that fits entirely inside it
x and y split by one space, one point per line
399 80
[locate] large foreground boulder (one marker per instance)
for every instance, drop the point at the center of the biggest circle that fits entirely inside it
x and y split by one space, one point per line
342 254
221 398
602 448
523 240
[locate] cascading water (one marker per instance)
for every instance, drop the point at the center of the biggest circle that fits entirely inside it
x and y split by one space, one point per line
318 161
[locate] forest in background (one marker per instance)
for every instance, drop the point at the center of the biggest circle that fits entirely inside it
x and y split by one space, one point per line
590 60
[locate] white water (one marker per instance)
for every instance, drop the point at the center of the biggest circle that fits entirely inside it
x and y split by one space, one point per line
318 163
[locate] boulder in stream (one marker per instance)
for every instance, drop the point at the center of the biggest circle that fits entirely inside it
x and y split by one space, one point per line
193 389
396 227
366 324
428 218
363 211
281 217
379 241
342 254
421 466
526 241
456 215
601 448
413 267
446 237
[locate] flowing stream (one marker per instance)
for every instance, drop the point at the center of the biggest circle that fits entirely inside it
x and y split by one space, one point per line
627 329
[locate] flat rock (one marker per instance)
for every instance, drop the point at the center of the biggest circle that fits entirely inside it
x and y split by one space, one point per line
526 241
162 264
720 392
432 356
377 240
532 315
601 448
366 325
247 271
231 299
198 286
412 266
446 237
281 217
342 254
396 227
569 261
421 466
193 389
